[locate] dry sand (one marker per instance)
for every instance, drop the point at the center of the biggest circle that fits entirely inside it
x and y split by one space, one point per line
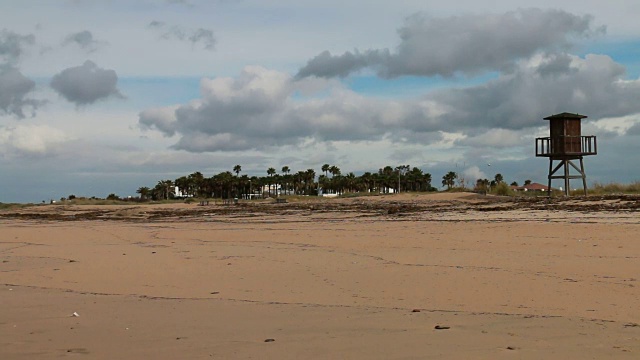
362 278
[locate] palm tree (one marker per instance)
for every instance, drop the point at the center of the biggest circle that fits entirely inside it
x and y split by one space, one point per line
401 170
482 185
338 183
253 181
367 180
164 189
183 185
223 184
325 169
334 170
277 181
415 178
449 179
196 184
310 177
143 191
350 182
426 181
386 176
285 177
237 169
270 171
323 183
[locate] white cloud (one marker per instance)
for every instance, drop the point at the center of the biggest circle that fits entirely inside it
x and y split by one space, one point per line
31 140
473 173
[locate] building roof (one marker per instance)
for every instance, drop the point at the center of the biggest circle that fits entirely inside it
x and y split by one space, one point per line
566 115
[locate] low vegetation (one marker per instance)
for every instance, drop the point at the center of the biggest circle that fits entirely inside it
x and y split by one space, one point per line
4 206
502 189
614 188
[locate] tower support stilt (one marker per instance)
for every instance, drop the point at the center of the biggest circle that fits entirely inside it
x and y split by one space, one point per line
566 164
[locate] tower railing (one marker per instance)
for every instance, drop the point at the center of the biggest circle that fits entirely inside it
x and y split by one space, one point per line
559 146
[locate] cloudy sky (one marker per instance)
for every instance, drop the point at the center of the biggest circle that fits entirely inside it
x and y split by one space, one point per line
105 96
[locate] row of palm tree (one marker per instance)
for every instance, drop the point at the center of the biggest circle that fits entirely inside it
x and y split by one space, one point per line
227 185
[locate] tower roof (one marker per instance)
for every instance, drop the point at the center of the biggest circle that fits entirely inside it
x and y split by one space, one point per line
566 115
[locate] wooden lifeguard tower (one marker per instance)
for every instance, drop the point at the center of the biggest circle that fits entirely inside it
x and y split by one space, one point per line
566 144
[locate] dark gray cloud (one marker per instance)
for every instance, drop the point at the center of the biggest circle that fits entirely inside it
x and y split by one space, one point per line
84 39
460 44
327 65
202 36
12 46
14 91
555 65
162 120
155 24
594 86
86 84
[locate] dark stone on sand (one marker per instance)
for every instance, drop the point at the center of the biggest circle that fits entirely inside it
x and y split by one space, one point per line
153 252
442 327
415 310
72 261
269 340
215 292
510 348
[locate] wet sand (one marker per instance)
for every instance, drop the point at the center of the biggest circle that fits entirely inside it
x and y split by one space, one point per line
362 278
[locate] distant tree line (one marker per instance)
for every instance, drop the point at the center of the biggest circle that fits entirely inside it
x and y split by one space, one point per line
230 184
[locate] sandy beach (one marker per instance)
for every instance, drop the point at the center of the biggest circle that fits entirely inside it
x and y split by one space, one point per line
439 276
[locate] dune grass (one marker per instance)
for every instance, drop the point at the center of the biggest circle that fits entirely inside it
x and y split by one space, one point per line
6 206
614 188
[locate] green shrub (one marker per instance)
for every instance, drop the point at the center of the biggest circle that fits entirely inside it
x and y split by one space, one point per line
502 189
